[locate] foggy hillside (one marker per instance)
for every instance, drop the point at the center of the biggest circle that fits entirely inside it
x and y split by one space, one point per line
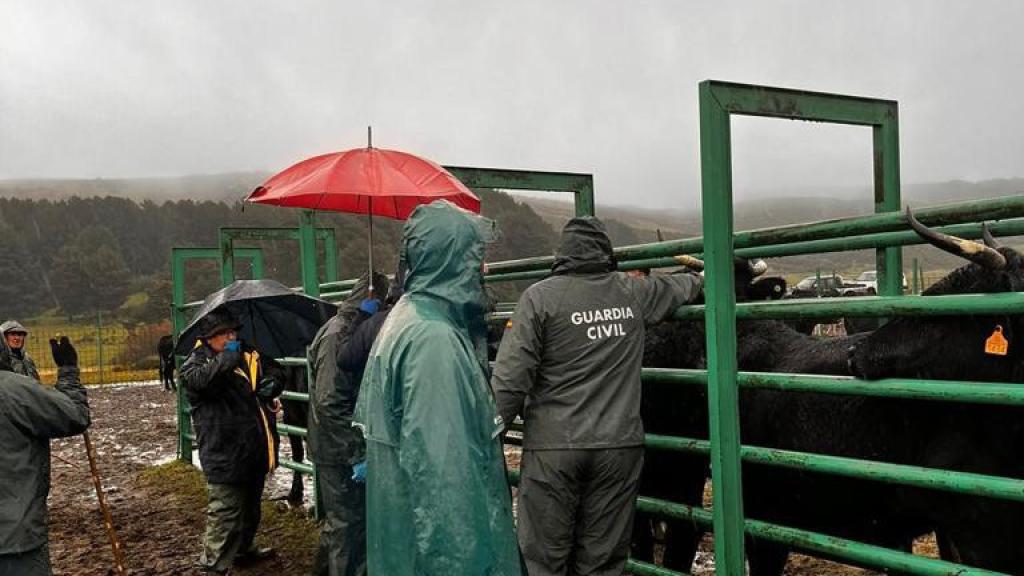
627 224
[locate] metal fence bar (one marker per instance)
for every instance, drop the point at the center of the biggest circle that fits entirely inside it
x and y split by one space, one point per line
720 333
644 569
995 393
298 396
919 476
290 430
1002 304
956 213
839 549
1012 227
296 466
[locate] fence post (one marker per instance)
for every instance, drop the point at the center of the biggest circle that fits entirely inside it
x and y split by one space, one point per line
99 343
720 322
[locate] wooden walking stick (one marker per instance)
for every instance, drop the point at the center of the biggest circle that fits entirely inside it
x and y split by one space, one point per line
65 355
108 521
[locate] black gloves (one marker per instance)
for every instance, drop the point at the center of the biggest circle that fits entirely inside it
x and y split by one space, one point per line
64 354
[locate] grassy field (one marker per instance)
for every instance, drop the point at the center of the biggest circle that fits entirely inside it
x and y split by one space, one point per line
109 351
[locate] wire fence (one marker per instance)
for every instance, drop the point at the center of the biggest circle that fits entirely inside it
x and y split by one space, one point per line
109 350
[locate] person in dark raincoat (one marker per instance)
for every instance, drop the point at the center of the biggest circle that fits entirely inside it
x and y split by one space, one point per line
230 388
569 364
437 495
30 415
335 446
14 335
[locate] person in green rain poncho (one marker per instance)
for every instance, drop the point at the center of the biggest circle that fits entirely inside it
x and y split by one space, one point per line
437 495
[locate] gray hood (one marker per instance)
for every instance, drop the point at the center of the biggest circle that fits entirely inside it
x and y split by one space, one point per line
12 326
584 248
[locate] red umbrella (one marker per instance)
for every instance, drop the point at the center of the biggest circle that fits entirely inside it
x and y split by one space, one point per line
369 181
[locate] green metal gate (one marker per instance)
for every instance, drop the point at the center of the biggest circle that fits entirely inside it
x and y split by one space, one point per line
307 235
886 231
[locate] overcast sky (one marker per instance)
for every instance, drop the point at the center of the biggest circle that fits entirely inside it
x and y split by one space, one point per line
143 88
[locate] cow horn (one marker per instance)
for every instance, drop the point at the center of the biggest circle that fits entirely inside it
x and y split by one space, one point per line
690 262
758 267
986 236
974 251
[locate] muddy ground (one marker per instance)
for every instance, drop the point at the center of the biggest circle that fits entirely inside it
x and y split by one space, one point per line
158 505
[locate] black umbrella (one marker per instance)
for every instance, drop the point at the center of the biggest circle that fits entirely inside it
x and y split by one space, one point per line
276 320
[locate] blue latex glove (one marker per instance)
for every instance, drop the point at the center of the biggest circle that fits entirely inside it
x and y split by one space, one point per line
371 306
359 472
234 346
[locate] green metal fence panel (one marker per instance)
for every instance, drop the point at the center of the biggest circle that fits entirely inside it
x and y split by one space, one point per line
581 185
645 569
937 390
307 253
957 213
827 546
720 328
179 259
306 234
931 478
884 231
874 307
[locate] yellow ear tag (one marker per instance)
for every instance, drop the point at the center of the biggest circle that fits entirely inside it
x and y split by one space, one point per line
508 325
996 344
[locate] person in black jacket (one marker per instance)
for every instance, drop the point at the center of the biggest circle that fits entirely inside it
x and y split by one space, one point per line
353 353
569 364
334 445
230 388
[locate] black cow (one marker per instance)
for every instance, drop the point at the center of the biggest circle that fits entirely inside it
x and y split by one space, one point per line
165 350
974 530
675 410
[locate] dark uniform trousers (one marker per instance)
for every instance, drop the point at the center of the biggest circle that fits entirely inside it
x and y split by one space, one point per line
232 518
576 510
342 550
32 563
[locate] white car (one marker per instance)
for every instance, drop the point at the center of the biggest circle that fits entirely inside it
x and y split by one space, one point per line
869 278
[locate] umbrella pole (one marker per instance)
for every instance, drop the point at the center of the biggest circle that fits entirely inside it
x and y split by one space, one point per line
369 248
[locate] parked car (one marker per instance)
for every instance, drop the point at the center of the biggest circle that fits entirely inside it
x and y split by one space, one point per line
869 278
830 287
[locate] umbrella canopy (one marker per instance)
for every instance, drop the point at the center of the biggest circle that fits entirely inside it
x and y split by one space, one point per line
368 180
275 319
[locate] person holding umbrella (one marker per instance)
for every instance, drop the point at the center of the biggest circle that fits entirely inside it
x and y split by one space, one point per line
335 446
437 496
229 386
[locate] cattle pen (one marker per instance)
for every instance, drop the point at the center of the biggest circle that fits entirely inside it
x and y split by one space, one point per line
886 231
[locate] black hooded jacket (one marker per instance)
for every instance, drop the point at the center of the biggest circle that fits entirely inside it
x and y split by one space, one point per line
570 362
334 389
234 427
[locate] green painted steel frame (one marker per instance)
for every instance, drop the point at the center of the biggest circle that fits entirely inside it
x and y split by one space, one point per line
581 185
719 101
180 257
306 234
